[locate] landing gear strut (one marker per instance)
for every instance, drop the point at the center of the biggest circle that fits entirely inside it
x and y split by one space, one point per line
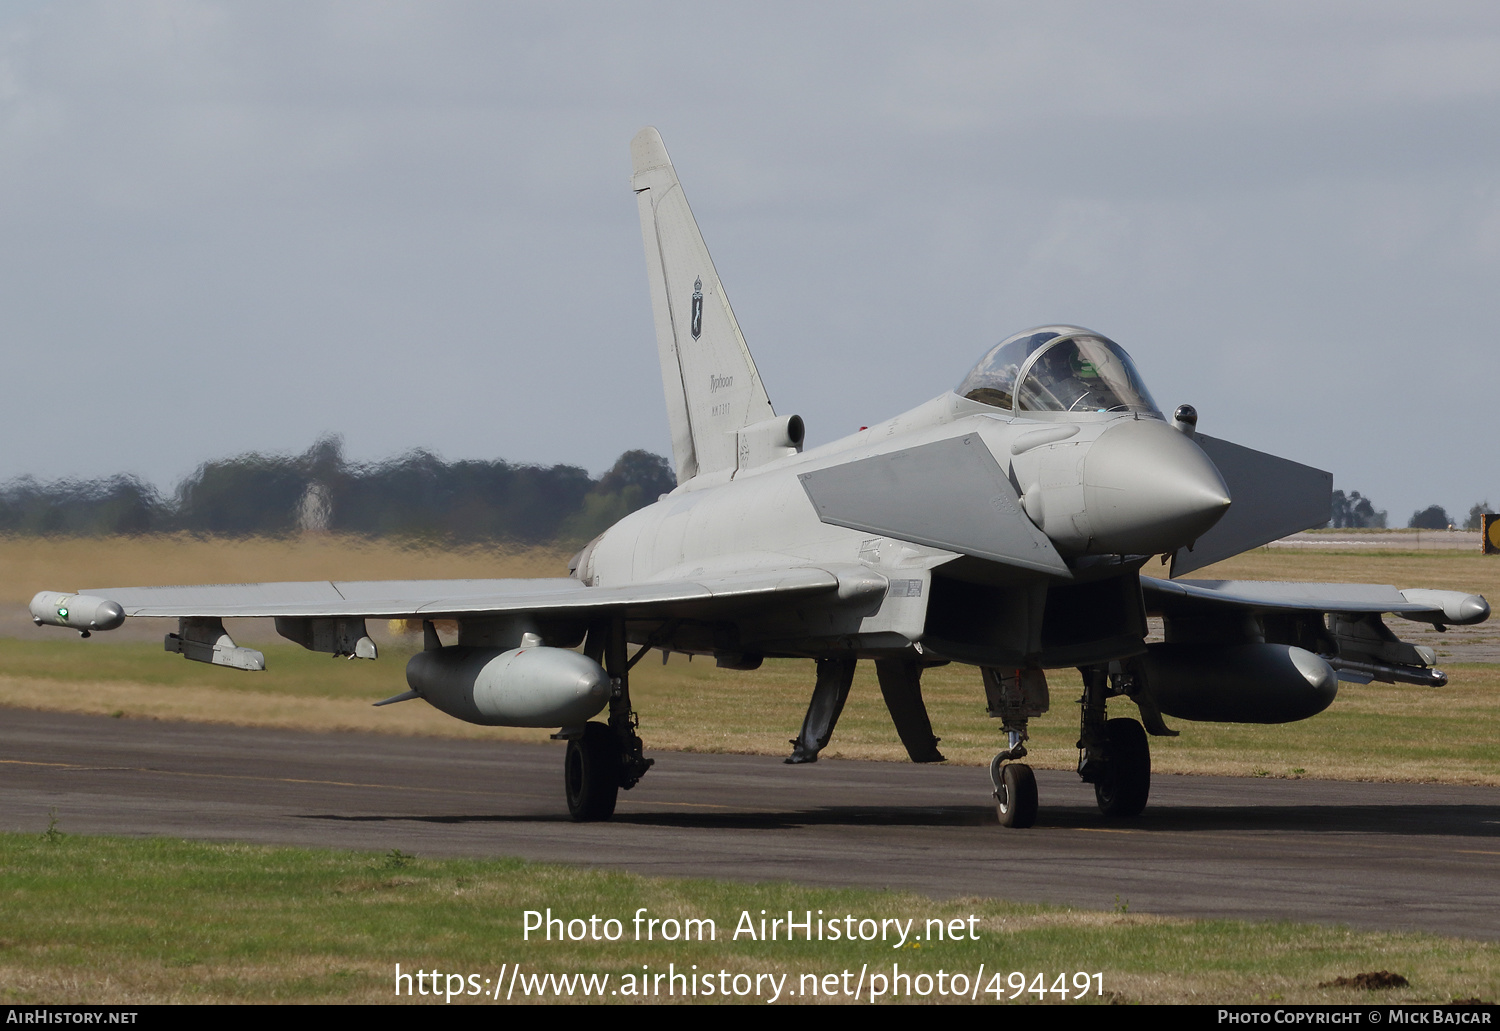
1113 755
606 757
901 687
1014 696
835 675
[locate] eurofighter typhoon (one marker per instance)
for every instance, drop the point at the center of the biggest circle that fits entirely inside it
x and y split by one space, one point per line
1004 525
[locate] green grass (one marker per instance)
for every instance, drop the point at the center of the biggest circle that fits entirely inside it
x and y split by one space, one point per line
104 920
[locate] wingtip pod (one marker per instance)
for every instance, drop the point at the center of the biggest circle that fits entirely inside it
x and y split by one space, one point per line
76 611
1458 608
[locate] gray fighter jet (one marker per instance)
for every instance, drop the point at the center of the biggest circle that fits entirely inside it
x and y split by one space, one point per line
1004 525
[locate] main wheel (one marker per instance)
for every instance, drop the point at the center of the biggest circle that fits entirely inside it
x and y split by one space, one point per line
1126 783
591 773
1015 801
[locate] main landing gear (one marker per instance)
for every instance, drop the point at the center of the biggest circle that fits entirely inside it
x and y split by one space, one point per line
591 773
604 758
1125 777
1114 754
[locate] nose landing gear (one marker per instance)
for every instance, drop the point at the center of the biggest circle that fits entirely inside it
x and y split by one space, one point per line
1014 696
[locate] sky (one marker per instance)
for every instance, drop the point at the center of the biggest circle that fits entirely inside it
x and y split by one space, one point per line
228 227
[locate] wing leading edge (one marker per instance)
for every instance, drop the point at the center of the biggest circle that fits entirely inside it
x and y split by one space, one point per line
394 599
1420 605
1250 623
329 616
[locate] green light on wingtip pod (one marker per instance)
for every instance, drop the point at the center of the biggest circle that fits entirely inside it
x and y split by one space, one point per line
62 613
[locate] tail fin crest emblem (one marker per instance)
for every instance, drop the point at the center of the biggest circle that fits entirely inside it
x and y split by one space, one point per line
697 308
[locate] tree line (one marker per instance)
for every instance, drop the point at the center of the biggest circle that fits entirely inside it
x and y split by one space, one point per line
1435 517
1353 511
416 495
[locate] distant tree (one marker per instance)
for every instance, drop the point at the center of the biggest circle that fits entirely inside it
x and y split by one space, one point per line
652 473
324 461
599 513
1338 515
1366 516
1482 508
112 505
1433 517
637 479
413 495
418 494
250 494
1354 511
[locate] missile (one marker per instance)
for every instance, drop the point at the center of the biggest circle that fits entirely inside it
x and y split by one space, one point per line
522 687
76 611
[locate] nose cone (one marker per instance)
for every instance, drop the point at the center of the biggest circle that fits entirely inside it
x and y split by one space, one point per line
1149 489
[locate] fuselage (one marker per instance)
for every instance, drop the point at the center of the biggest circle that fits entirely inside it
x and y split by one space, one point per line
1096 483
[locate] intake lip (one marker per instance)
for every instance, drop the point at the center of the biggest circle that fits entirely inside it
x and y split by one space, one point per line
1149 490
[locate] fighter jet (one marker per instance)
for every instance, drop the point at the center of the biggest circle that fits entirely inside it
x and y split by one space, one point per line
1008 525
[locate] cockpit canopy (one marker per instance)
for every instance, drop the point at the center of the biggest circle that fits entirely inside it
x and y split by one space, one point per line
1059 369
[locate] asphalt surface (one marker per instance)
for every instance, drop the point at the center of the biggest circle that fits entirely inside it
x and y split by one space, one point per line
1396 856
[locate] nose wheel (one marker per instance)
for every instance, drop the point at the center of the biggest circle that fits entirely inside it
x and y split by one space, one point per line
1014 696
1015 793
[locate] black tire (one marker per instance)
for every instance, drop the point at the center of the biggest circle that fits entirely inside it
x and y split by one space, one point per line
591 773
1015 802
1126 784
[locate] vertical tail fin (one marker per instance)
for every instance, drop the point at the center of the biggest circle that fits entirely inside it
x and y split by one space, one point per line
713 389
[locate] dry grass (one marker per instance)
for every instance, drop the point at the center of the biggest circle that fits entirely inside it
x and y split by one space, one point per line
30 564
1451 570
206 704
1373 732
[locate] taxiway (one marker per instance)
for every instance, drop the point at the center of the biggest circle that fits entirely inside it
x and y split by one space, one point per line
1393 856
